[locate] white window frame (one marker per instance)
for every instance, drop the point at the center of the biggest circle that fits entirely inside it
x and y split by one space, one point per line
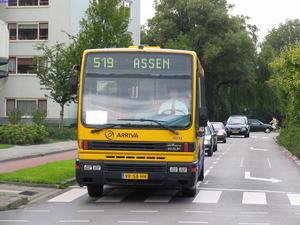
21 37
18 3
15 102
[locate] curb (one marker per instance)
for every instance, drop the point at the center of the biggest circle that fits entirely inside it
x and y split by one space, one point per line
8 202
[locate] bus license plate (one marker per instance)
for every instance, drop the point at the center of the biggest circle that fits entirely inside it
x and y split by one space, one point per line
136 176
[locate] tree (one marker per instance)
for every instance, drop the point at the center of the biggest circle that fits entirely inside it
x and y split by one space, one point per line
105 25
287 82
53 71
225 45
286 33
276 40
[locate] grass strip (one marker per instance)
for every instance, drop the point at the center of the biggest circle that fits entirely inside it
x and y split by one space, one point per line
50 173
2 146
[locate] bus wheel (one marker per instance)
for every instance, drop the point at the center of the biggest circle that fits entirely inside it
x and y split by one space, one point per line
189 191
95 190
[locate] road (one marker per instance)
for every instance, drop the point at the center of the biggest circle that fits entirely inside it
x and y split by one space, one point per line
248 181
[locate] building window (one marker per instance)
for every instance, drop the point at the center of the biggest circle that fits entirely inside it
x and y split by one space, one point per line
28 31
28 2
27 106
20 65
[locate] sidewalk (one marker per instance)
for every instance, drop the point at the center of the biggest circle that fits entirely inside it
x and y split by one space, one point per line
13 195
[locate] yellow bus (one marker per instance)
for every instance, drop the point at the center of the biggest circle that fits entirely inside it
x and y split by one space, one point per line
141 119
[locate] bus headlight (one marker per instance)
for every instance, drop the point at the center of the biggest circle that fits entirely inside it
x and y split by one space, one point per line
96 167
173 169
183 169
87 167
92 167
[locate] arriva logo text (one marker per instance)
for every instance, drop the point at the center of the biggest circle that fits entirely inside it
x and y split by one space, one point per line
127 135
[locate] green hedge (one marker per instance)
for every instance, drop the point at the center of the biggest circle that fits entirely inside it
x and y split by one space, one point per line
62 134
22 134
290 139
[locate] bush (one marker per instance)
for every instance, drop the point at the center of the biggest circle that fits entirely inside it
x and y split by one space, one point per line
62 133
38 117
15 116
289 138
22 134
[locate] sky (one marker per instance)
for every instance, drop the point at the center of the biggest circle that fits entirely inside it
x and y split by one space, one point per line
265 14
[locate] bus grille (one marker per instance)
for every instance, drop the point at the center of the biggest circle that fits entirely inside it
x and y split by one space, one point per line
127 146
134 168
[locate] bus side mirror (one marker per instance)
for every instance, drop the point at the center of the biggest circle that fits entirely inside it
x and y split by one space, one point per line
203 116
74 84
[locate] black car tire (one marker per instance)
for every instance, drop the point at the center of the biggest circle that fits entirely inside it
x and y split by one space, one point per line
210 151
267 130
224 141
215 148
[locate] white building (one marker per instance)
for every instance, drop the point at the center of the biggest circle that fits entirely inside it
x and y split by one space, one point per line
34 21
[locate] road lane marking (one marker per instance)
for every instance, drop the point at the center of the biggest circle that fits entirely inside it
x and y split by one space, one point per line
69 196
116 195
36 211
162 195
248 176
206 212
259 149
254 198
294 199
208 196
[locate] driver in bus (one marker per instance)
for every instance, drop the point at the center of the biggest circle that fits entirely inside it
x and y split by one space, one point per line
173 106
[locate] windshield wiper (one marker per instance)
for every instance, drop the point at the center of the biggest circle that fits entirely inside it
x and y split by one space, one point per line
155 121
108 126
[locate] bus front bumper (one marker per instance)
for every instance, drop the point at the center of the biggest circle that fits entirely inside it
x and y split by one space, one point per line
137 173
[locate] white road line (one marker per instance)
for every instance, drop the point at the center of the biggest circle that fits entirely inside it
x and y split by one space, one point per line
254 198
15 221
90 211
116 195
74 221
270 166
241 165
69 196
208 196
36 211
206 212
294 199
163 195
206 173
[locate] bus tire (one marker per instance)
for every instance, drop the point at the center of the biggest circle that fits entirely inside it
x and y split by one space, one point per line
189 191
95 190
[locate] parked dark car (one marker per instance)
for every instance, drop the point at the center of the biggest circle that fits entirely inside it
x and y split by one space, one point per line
220 129
210 139
238 125
257 125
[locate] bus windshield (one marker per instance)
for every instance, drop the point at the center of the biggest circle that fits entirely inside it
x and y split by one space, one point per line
121 89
